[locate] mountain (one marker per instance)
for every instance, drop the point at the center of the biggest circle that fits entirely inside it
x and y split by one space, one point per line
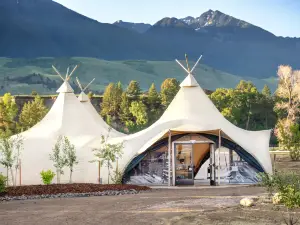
44 28
138 27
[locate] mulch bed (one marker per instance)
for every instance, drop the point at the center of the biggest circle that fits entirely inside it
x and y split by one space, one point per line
69 188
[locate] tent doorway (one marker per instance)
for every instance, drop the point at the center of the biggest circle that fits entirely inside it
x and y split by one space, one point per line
188 157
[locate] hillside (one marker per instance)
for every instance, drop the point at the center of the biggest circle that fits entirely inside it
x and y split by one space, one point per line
22 76
44 28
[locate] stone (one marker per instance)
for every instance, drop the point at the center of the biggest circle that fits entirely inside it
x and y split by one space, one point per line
276 199
247 202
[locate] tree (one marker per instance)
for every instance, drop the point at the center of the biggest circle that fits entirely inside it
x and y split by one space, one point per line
111 101
133 90
266 91
288 103
8 113
169 89
107 153
154 103
288 92
32 112
10 151
289 138
69 155
139 111
58 158
125 114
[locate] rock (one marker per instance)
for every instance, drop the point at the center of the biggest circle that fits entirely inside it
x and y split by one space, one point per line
276 199
247 202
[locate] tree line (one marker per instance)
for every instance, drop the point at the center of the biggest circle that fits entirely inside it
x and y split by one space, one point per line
130 109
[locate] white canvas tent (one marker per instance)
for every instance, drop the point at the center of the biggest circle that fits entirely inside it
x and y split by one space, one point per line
67 117
191 111
84 99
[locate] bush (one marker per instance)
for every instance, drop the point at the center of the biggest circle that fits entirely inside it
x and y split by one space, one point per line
287 185
47 176
117 177
3 180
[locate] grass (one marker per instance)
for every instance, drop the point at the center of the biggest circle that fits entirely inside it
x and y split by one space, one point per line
145 72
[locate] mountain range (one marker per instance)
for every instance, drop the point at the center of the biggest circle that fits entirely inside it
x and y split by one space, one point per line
44 28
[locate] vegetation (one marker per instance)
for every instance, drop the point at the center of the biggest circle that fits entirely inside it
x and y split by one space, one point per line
47 176
70 156
63 155
10 152
108 153
3 180
288 187
8 113
32 112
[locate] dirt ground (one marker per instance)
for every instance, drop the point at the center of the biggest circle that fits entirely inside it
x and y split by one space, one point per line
163 206
205 206
285 164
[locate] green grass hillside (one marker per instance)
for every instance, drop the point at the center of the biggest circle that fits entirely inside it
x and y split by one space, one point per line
22 76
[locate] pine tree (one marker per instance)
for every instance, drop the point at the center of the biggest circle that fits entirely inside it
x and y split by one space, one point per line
266 91
32 112
154 103
8 113
133 90
169 89
125 114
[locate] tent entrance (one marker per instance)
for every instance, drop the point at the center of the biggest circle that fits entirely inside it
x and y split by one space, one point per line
188 157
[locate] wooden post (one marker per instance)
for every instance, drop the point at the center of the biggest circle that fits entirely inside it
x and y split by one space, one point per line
20 173
99 167
169 159
220 139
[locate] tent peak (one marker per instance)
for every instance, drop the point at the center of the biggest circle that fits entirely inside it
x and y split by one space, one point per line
83 97
65 88
189 81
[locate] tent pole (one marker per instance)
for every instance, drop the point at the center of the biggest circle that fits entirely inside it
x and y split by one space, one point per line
20 177
220 144
99 166
169 160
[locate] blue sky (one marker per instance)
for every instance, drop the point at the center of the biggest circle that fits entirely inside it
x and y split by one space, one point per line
281 17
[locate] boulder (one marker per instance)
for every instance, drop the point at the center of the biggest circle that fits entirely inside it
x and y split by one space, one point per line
247 202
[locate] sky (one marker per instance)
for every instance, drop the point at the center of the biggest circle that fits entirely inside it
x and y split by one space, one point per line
281 17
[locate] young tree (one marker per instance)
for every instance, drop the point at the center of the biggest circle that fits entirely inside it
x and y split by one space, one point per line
10 152
8 113
32 112
169 89
139 111
58 158
107 153
133 90
69 155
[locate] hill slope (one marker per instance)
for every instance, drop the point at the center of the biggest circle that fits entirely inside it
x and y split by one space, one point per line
22 76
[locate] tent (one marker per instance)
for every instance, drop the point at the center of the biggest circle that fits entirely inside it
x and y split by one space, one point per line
67 117
84 99
191 111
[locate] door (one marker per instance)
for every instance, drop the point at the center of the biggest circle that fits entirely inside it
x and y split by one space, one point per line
184 168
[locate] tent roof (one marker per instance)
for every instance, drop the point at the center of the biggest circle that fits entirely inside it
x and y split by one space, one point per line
192 111
65 88
83 97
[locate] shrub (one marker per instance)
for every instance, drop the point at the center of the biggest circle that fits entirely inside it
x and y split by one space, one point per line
47 176
117 177
3 180
267 181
